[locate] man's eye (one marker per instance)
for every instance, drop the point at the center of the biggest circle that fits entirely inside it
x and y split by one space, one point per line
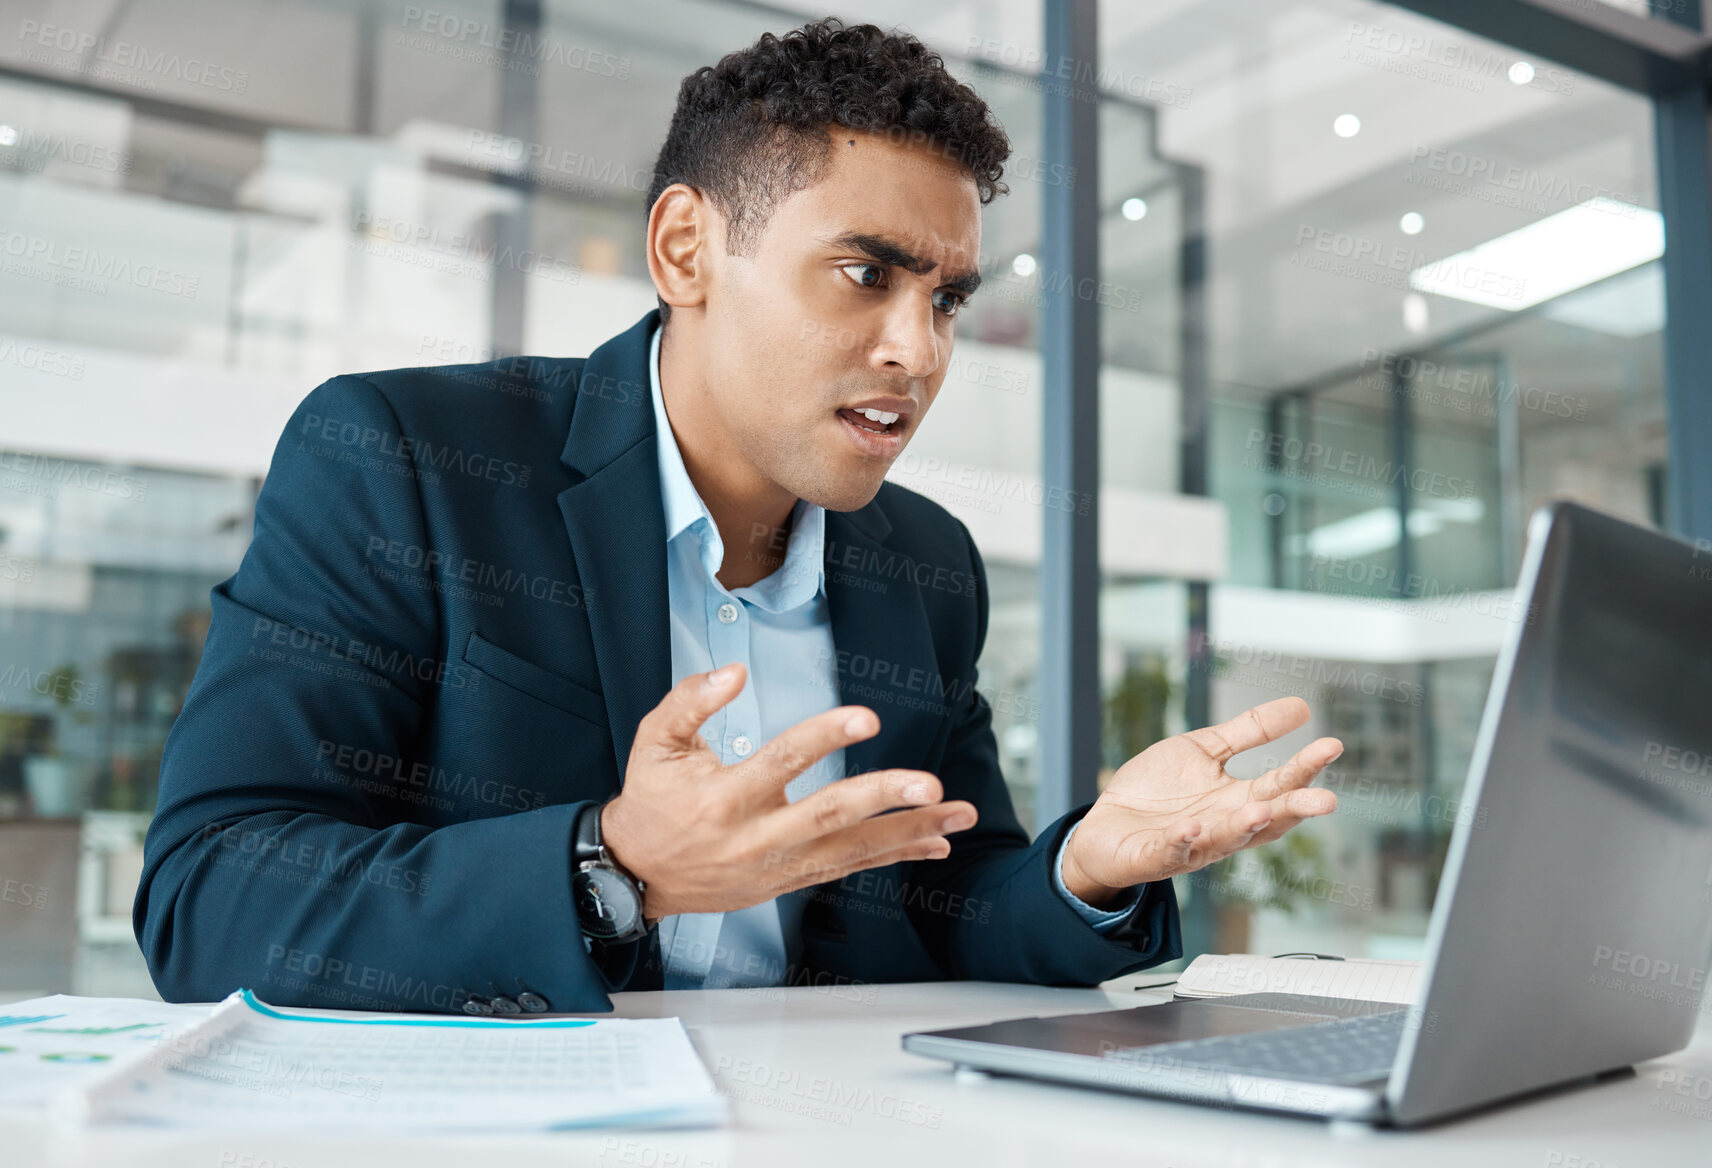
949 305
874 268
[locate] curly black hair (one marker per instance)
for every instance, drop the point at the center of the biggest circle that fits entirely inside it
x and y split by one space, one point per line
752 130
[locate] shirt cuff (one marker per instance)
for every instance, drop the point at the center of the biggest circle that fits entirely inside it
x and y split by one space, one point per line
1101 920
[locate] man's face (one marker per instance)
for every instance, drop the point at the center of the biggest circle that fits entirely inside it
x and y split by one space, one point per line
826 318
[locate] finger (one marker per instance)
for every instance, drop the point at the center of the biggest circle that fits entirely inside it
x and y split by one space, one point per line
794 750
1291 808
803 873
1261 822
861 846
1185 843
1251 728
1301 770
1305 804
1238 828
675 724
848 802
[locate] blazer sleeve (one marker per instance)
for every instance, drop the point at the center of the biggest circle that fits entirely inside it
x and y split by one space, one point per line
268 867
998 916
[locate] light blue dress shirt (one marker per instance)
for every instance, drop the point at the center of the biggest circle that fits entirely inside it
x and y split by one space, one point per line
780 629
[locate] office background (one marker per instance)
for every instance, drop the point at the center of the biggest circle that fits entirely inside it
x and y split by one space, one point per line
1312 301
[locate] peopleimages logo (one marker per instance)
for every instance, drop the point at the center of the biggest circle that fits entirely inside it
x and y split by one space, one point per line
92 266
1294 455
1444 62
49 474
62 687
42 360
90 50
1652 970
35 148
1523 180
414 451
1373 261
541 158
1038 66
453 35
1468 390
378 231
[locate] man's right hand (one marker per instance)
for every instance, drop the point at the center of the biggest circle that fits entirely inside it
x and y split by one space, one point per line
705 837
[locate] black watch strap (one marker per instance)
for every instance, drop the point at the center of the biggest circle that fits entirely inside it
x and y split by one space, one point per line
609 899
585 841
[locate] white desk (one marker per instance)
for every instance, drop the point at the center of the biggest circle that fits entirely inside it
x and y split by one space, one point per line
817 1078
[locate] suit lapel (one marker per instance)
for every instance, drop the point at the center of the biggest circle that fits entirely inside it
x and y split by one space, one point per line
617 527
883 642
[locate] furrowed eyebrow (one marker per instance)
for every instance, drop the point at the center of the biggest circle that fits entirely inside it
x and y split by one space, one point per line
885 251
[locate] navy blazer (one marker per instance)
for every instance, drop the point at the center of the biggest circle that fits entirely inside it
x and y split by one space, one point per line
435 653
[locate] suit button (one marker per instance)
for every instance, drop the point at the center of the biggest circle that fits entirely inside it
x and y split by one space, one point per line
504 1005
532 1003
477 1006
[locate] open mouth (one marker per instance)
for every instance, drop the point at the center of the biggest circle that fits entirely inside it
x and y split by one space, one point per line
873 421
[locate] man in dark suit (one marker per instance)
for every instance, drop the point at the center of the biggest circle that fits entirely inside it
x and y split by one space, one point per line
547 678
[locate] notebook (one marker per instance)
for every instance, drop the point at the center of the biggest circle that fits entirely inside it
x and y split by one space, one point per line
1366 979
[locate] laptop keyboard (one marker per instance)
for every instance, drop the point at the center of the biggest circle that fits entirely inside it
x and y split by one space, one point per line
1344 1052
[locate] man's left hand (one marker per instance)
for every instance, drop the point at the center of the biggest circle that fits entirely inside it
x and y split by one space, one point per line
1174 808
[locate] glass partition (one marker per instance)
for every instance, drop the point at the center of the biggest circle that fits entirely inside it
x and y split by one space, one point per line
1331 228
1432 302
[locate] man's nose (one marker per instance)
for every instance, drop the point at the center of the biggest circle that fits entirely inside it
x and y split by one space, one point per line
908 339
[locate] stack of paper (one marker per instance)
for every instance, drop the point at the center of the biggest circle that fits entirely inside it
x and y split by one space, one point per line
1366 979
245 1064
50 1044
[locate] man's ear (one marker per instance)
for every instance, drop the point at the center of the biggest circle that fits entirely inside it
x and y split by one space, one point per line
682 227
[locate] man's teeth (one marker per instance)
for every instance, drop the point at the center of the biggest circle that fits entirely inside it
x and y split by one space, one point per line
880 416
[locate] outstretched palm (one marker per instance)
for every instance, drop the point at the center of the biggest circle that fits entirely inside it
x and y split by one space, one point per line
1174 808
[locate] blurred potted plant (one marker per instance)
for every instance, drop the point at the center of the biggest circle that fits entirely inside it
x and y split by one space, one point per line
1135 712
20 734
1285 875
58 786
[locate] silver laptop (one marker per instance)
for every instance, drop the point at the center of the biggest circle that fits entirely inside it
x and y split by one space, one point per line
1573 924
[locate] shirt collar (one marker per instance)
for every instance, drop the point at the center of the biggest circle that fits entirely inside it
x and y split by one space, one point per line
797 581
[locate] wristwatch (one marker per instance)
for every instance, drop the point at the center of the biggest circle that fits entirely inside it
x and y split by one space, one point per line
608 899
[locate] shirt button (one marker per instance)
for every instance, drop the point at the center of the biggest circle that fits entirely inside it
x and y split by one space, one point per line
727 613
742 745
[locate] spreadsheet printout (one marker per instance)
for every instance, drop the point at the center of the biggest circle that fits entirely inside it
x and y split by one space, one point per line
249 1065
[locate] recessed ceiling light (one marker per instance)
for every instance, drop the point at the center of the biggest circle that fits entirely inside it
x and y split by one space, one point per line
1415 315
1023 265
1134 209
1521 73
1548 257
1411 223
1346 126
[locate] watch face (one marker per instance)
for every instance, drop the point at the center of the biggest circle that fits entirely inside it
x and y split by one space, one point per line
606 903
